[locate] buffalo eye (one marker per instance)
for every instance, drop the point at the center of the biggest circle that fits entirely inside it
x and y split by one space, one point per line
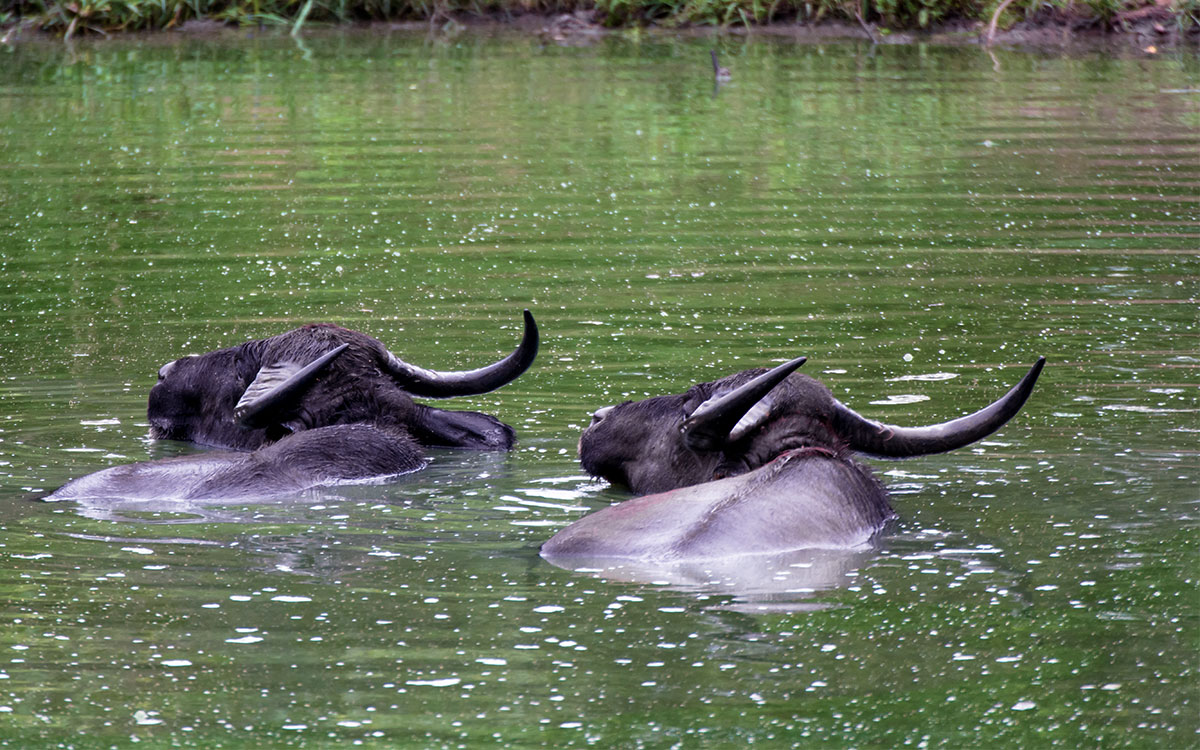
684 414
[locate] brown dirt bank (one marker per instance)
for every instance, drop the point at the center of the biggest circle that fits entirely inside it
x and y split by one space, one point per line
1150 25
1145 30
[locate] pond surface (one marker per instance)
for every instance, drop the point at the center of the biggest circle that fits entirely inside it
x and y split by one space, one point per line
921 222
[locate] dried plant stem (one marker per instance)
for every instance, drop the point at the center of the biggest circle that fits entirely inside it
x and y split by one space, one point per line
991 27
866 28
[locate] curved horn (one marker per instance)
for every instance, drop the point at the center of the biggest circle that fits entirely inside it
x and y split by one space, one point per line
708 427
867 436
434 384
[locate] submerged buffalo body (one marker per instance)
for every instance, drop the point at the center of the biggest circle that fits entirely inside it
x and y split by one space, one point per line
324 456
759 462
317 405
803 499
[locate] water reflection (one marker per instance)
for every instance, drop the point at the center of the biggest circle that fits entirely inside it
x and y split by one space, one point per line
782 582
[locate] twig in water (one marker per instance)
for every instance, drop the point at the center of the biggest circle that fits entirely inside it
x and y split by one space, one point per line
722 74
991 27
300 18
866 28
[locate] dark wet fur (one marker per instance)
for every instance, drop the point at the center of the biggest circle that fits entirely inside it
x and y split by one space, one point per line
196 398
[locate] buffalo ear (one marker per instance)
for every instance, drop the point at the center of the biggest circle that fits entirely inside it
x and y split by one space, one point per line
460 429
277 387
758 414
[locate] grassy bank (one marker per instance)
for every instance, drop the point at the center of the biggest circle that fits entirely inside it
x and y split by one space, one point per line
71 17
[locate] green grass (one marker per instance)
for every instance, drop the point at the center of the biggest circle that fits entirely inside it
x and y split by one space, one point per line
78 16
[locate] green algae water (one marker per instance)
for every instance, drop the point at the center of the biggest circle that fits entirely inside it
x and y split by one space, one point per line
920 222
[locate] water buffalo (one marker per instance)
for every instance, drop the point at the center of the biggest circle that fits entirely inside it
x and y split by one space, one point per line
317 405
759 462
311 458
255 393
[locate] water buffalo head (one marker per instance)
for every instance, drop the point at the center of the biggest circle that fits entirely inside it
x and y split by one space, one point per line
743 421
255 393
